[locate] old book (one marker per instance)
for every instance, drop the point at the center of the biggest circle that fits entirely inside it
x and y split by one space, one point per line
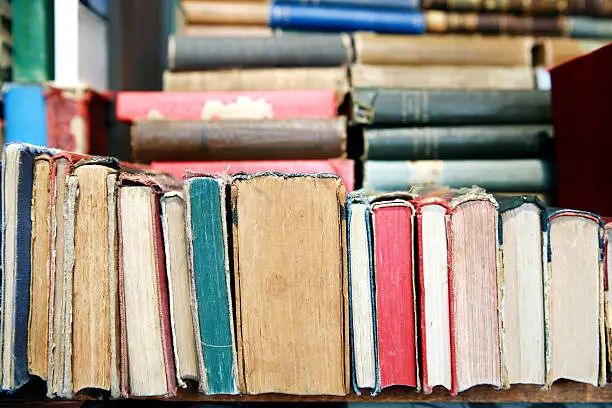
208 242
441 77
607 271
587 27
77 120
581 110
239 140
382 4
555 51
299 50
226 12
282 284
179 286
362 313
38 330
269 79
207 30
147 362
528 175
396 323
32 29
458 142
453 50
575 343
372 106
473 23
227 105
17 192
541 7
344 168
474 276
522 284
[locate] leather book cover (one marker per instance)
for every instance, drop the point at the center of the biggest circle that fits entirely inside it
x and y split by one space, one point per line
598 8
134 105
344 168
226 12
581 111
463 77
415 107
238 140
77 120
376 49
188 53
473 23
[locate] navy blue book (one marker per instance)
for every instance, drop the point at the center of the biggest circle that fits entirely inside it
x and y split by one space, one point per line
346 19
17 182
25 114
375 4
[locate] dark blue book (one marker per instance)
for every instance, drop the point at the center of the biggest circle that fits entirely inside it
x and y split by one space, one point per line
346 19
372 4
25 114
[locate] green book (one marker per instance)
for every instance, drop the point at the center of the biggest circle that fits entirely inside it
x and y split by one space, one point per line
208 242
32 40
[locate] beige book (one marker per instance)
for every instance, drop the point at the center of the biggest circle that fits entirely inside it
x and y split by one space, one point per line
226 12
291 284
38 330
555 51
270 79
205 30
441 77
384 49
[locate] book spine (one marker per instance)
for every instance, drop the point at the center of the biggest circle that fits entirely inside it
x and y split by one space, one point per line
597 8
442 77
587 27
464 142
528 175
345 19
472 23
32 29
371 4
555 51
25 114
230 12
205 30
442 50
450 107
239 140
270 79
201 53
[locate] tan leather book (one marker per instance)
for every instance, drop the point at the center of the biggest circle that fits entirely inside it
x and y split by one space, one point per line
383 49
202 30
291 284
441 77
555 51
226 12
269 79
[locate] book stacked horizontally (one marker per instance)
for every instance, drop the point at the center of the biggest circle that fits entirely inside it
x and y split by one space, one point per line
124 282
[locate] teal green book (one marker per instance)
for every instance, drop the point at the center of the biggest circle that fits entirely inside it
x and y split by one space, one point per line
207 235
32 28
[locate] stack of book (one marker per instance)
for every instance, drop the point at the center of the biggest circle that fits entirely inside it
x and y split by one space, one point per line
121 281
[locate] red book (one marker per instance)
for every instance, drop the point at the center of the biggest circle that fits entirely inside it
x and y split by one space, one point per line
582 112
132 106
345 168
77 120
395 301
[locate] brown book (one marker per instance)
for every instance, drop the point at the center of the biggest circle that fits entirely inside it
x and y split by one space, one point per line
226 12
271 79
38 330
470 23
171 140
441 77
294 294
379 49
599 8
555 51
205 30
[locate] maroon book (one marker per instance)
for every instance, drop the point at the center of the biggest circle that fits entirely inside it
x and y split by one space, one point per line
582 115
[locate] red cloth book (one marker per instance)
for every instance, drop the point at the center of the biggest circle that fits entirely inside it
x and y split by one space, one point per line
345 168
395 300
582 115
132 106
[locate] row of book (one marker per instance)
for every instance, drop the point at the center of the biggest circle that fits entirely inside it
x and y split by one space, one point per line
123 280
552 18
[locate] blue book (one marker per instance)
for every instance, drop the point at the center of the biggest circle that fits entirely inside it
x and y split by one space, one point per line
208 244
17 185
25 114
588 27
372 4
346 19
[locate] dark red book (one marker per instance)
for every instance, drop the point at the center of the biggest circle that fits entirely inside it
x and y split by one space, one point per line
345 168
582 115
395 300
77 120
132 106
